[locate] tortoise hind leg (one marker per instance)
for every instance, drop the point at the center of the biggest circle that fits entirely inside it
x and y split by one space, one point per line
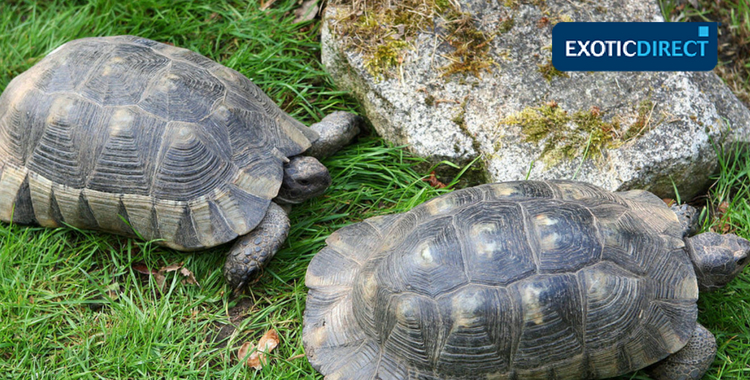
251 253
689 363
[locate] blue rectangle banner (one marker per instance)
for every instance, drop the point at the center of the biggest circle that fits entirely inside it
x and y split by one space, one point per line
635 46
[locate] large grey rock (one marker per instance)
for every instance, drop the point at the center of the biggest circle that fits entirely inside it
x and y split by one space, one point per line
666 126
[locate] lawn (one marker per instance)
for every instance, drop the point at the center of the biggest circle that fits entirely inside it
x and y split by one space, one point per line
77 304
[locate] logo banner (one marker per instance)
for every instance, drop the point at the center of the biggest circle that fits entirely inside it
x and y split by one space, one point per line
635 46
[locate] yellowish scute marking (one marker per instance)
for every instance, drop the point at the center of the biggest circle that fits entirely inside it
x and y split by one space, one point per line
424 255
482 235
61 107
549 242
67 201
370 287
497 376
319 336
688 288
544 220
532 308
504 190
168 214
200 210
263 187
439 205
231 211
138 208
121 120
465 306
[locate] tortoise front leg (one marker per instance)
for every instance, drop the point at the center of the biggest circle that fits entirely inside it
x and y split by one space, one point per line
252 252
689 363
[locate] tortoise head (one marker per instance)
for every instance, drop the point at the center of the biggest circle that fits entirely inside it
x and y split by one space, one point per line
304 178
717 258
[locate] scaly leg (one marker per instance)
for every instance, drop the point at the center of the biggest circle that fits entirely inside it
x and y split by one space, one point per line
252 252
689 363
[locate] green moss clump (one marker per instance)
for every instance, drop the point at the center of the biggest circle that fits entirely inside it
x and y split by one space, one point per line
472 46
382 31
385 56
506 25
567 136
549 71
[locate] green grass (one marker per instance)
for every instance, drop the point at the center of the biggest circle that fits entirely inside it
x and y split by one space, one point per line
73 306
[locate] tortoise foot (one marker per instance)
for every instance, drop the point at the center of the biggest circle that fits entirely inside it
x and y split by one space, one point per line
689 363
252 252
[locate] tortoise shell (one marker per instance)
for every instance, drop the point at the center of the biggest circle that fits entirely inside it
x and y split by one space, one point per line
517 280
128 135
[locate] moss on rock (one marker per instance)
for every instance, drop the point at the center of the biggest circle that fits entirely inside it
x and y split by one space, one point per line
565 136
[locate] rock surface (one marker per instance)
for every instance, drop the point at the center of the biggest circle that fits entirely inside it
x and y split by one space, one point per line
620 131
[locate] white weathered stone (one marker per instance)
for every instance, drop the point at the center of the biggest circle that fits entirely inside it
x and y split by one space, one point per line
691 111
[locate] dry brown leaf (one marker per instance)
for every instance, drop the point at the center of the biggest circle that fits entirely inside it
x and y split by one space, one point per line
307 11
433 181
266 4
723 225
189 277
243 350
266 344
142 269
669 201
722 208
170 268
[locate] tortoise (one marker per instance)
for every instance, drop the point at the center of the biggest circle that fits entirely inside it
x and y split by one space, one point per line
517 280
135 137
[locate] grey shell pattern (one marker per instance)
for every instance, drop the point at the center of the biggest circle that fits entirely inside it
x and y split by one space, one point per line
125 135
517 280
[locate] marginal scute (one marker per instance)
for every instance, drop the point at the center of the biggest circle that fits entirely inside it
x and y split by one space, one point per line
11 181
41 193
